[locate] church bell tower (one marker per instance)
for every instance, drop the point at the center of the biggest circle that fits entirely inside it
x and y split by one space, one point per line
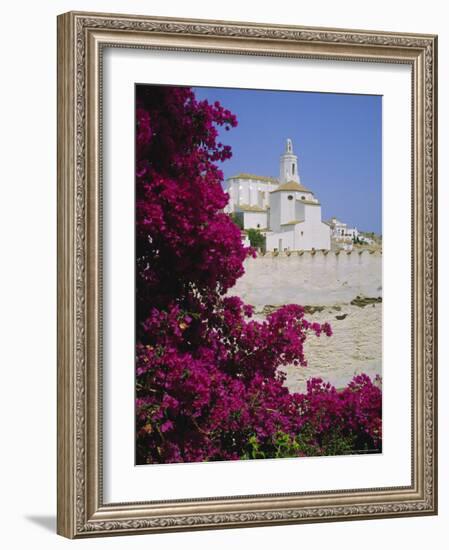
289 165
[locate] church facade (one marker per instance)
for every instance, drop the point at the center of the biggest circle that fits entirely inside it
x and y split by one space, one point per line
287 212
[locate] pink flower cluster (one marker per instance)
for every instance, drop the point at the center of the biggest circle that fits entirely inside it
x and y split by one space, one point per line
182 239
352 414
208 386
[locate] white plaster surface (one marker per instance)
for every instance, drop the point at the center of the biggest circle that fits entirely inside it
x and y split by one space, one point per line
310 279
355 347
333 281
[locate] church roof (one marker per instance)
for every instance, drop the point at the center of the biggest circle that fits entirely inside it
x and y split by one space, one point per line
291 186
245 176
335 221
250 208
293 222
313 203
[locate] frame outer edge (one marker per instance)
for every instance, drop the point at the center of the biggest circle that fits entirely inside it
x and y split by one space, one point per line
66 341
435 271
76 502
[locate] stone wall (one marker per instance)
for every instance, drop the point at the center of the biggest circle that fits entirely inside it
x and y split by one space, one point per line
310 278
331 281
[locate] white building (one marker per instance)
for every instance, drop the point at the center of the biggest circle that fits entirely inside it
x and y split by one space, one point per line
365 240
340 229
342 236
250 198
287 213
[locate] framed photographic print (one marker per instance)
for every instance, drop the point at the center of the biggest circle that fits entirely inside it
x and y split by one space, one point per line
246 274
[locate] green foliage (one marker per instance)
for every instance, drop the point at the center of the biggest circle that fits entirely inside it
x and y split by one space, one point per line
237 219
286 446
256 238
338 444
283 445
253 449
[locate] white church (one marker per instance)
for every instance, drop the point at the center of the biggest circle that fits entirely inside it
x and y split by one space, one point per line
287 213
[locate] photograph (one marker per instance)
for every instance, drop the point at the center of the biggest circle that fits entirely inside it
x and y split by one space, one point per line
258 274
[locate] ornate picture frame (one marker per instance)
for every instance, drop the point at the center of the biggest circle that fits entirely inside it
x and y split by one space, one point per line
82 39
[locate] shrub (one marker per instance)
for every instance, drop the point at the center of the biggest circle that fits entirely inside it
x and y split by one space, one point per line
237 218
256 239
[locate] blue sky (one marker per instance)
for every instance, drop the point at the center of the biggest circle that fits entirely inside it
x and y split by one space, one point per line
337 137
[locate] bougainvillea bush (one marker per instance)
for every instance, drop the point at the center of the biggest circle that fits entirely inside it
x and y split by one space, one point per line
208 386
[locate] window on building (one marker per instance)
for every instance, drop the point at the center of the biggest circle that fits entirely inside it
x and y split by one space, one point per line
293 169
258 225
290 197
303 198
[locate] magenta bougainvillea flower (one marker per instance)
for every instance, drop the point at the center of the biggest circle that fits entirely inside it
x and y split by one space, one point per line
208 386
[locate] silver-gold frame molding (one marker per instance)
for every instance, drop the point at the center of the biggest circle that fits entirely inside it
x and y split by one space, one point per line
81 39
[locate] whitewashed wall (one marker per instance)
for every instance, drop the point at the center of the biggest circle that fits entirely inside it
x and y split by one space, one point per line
310 279
282 239
255 220
312 234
